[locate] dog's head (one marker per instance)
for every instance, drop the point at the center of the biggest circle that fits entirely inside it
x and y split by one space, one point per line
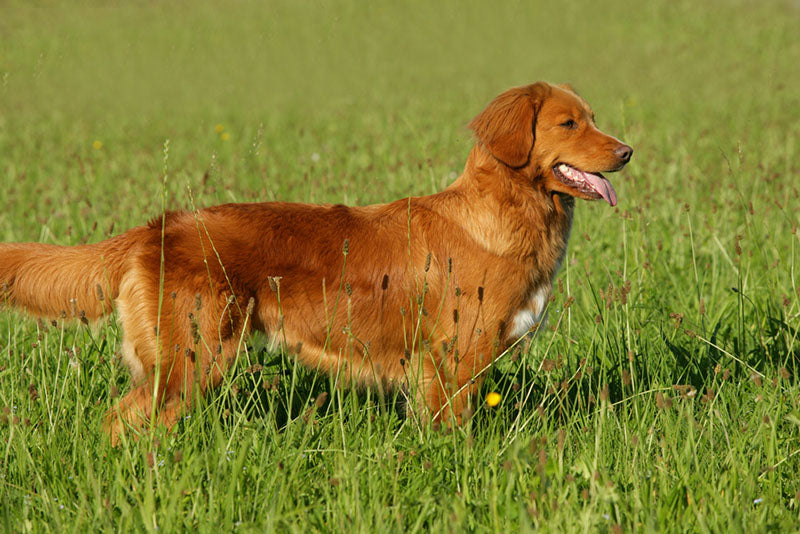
548 133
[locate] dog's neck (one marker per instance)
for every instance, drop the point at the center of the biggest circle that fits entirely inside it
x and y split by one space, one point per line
509 212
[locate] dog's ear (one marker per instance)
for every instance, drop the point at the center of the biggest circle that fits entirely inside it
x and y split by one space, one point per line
568 87
506 127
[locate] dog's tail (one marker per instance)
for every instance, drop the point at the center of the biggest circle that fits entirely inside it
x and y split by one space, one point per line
52 280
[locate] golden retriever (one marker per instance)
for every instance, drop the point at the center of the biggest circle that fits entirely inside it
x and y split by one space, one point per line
421 293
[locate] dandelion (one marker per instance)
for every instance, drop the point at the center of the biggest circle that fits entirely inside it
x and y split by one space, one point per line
225 136
493 399
219 128
97 145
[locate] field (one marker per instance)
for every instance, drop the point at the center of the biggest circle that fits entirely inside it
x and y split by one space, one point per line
663 396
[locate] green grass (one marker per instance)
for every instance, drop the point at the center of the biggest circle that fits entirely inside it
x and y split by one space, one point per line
664 397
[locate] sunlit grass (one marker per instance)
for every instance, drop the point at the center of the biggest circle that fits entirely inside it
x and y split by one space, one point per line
662 396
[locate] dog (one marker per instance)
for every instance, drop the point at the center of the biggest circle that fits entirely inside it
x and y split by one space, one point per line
422 293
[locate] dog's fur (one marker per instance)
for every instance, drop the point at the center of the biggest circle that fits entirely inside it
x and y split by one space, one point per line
422 292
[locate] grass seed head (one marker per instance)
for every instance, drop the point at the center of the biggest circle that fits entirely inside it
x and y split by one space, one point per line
195 330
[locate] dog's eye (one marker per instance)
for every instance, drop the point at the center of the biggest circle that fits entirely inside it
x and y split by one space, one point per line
570 124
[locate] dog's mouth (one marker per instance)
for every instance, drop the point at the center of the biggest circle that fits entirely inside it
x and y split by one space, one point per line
592 185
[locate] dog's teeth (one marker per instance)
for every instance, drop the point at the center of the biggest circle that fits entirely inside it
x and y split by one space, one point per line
564 169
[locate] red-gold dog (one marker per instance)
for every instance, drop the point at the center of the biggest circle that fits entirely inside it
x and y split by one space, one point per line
423 292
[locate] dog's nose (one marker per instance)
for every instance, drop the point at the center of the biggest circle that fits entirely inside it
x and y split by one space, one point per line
624 152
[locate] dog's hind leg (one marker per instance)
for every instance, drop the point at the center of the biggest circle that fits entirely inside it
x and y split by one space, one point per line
139 352
199 337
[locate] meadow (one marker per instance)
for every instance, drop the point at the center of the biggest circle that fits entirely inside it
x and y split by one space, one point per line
664 395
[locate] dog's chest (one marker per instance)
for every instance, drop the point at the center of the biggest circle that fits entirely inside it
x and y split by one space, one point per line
532 312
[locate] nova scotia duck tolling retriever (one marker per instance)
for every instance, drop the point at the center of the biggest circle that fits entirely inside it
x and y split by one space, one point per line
421 294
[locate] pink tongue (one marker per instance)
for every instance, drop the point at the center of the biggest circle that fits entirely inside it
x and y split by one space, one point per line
602 186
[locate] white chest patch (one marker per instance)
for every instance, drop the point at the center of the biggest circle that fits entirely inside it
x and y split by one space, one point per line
531 314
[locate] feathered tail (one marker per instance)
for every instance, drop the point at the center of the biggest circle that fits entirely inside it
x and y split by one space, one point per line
52 280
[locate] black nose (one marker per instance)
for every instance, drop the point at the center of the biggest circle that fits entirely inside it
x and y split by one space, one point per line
624 152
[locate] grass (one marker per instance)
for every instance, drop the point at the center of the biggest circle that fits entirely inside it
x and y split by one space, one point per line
664 395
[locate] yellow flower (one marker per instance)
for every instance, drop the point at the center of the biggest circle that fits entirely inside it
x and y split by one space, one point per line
493 399
97 145
225 136
218 128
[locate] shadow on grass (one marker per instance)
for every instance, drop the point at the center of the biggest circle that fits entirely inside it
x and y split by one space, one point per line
278 390
684 364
